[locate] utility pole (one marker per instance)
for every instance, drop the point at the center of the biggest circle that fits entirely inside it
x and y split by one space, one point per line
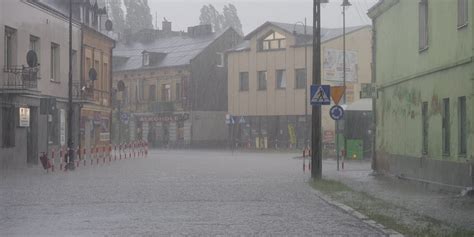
305 88
70 142
345 4
316 142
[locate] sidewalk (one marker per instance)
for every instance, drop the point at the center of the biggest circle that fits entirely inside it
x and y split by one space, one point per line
442 206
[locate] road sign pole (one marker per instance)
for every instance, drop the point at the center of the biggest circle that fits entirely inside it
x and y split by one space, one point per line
316 143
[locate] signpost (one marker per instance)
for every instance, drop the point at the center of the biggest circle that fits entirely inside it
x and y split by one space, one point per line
320 95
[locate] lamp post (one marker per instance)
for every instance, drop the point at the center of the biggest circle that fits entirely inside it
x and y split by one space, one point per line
344 4
305 101
70 141
316 141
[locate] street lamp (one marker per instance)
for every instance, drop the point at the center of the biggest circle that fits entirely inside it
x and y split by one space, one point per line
316 141
305 101
70 141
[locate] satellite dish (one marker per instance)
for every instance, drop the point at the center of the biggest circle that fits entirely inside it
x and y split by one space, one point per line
108 25
92 74
32 58
121 86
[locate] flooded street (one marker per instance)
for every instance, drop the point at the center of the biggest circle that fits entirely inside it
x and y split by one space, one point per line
192 193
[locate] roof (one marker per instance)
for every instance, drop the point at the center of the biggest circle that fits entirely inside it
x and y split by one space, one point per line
327 34
360 105
380 7
179 50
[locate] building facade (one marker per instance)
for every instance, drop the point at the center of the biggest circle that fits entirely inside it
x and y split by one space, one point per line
33 99
425 83
172 90
269 90
96 87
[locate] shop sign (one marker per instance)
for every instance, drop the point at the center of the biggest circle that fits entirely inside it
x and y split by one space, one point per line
104 136
164 118
24 117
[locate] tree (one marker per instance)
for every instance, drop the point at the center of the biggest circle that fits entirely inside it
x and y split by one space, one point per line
210 16
138 15
117 15
231 19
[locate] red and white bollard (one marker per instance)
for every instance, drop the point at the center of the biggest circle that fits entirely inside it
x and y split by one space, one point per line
52 160
91 156
61 155
84 155
97 154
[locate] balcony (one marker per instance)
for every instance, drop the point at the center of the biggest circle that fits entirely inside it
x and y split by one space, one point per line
88 94
19 78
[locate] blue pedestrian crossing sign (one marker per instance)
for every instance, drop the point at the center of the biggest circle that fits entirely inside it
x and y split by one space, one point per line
320 95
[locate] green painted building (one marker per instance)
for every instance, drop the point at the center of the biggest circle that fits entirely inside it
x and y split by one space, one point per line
423 69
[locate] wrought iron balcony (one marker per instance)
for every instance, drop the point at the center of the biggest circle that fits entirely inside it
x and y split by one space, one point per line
19 78
91 95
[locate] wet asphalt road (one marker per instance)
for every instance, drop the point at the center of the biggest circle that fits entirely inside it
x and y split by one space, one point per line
173 193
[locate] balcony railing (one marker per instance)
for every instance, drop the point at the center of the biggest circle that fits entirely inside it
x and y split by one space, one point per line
19 77
90 94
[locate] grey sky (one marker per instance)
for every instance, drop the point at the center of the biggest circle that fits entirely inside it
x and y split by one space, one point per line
253 13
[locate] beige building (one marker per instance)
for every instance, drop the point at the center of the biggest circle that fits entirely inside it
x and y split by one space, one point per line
267 81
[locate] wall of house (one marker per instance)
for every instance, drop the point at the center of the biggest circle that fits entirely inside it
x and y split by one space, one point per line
289 101
209 82
50 28
29 19
406 77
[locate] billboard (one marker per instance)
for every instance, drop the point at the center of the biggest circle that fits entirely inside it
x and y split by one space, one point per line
333 65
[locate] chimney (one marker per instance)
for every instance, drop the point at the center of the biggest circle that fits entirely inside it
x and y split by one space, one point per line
166 25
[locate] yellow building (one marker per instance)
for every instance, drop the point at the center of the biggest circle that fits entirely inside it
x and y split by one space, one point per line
267 82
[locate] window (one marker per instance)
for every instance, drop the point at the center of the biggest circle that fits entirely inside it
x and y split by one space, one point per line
105 75
54 62
166 92
146 59
220 60
274 40
178 91
75 66
10 47
152 93
35 46
446 127
424 118
300 78
262 80
463 13
423 24
97 68
462 125
8 126
281 79
244 81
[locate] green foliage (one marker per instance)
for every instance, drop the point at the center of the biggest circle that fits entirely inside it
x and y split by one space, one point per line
211 16
138 15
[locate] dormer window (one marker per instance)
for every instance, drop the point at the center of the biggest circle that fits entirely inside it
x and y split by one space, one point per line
272 41
146 59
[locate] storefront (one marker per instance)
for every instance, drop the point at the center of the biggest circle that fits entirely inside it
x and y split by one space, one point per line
164 130
94 127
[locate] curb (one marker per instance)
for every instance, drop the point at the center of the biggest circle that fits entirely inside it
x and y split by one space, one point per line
358 215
